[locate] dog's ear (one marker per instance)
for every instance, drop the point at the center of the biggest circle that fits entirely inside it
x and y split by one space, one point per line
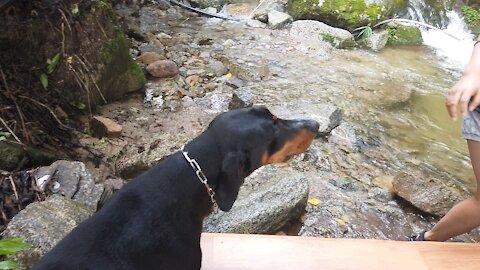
231 178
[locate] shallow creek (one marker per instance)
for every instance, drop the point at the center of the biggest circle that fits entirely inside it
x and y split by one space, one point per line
393 99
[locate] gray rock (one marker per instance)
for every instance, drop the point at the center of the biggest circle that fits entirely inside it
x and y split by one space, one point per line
328 116
44 224
377 41
308 29
267 201
256 24
214 102
431 191
74 182
242 98
149 22
277 19
266 6
346 136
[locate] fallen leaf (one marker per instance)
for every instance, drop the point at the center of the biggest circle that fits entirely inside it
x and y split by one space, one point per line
314 201
341 221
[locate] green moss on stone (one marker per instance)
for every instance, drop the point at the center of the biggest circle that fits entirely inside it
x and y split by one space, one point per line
472 18
121 73
404 35
347 14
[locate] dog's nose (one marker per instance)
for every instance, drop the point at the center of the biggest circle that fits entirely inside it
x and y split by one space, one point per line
311 125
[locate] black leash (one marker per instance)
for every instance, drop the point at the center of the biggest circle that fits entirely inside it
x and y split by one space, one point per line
201 12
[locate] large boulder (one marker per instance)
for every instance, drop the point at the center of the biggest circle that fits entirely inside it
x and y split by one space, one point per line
44 224
267 201
347 14
328 116
429 190
71 180
404 35
308 29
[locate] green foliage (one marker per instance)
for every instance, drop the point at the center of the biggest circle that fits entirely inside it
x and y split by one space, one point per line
51 66
329 38
11 246
472 18
4 135
8 265
365 32
52 63
44 80
404 35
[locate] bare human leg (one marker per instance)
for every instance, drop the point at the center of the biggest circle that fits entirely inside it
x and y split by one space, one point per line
464 216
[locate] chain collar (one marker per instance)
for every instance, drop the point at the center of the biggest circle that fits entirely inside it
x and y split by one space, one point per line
201 176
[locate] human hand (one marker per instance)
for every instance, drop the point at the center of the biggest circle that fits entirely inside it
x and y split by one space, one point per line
464 95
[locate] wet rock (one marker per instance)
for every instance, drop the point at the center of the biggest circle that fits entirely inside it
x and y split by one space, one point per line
193 79
328 116
269 5
216 67
242 98
150 57
347 15
347 213
404 35
345 136
257 23
154 95
72 180
429 190
209 3
277 19
163 5
147 47
149 22
239 10
267 201
214 102
163 69
338 38
105 127
44 224
377 40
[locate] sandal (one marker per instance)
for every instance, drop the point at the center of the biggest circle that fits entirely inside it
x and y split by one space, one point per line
418 237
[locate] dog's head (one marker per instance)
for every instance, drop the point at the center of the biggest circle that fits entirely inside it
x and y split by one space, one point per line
250 138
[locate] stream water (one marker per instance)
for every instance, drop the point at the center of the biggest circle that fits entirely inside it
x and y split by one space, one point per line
394 99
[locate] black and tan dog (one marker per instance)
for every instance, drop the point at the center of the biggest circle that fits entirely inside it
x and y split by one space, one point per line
155 221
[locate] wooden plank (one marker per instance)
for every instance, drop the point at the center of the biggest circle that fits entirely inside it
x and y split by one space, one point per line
272 252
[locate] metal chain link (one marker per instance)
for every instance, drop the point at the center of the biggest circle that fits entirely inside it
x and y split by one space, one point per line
201 176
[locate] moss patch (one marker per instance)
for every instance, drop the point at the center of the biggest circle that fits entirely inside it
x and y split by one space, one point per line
347 14
404 35
472 18
121 73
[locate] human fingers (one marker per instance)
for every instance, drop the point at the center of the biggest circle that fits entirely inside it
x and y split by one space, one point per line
451 101
475 100
465 98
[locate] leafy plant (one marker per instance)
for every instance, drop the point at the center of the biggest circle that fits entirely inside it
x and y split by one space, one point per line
11 246
4 135
51 66
365 32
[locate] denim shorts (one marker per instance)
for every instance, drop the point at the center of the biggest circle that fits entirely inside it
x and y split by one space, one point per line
471 126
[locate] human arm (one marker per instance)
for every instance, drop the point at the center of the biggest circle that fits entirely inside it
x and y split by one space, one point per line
465 94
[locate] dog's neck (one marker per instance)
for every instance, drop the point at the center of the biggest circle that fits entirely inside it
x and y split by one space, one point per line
205 150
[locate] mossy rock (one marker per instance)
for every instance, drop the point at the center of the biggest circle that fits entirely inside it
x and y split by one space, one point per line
14 156
347 14
472 18
404 35
120 73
